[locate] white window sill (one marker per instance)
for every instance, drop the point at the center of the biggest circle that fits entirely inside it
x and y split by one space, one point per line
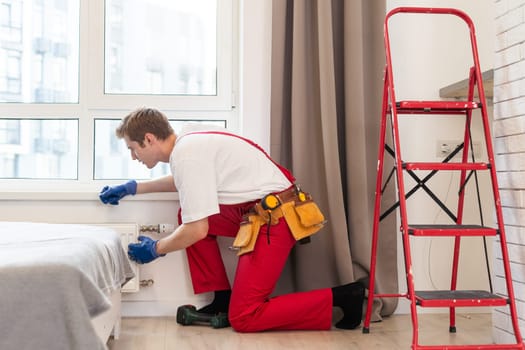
68 192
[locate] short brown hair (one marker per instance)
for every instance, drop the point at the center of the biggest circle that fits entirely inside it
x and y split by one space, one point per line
143 120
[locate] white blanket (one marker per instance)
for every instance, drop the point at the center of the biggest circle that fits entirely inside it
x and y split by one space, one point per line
53 279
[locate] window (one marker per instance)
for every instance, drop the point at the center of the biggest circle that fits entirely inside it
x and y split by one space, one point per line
70 70
169 46
38 148
42 65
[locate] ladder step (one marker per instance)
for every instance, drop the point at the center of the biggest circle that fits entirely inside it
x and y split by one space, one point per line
445 166
470 346
435 107
451 230
458 298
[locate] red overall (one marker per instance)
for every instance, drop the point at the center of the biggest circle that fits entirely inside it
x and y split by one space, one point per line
251 308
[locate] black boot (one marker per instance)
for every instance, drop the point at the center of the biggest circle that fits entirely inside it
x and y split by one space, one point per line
220 303
349 298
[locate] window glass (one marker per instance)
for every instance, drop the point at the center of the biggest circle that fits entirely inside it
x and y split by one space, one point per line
38 148
161 47
113 159
39 51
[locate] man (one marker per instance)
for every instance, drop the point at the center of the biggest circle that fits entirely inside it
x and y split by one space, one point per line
220 178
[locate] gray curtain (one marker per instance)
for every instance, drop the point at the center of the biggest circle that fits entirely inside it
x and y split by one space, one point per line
327 79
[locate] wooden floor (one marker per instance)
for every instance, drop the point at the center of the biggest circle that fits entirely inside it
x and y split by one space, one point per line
392 333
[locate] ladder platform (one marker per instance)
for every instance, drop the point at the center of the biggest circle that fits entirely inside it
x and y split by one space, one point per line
451 230
445 166
436 107
458 298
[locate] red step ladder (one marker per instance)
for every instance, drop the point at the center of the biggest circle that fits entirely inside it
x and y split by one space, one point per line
391 110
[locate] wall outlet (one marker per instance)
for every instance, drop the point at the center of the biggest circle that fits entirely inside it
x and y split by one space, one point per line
446 147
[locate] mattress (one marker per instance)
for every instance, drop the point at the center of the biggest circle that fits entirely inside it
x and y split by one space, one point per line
54 279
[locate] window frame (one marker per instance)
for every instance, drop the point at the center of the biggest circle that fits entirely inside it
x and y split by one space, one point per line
94 104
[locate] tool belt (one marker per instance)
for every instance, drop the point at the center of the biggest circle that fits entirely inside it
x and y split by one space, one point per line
303 216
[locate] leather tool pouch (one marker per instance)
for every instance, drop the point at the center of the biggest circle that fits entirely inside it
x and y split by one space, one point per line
247 236
303 218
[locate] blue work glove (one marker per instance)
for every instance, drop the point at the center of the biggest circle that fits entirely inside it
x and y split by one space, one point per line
112 194
143 252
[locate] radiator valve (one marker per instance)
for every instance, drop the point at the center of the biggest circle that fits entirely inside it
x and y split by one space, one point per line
146 283
158 228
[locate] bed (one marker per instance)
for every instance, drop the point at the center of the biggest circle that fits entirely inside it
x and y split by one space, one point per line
59 285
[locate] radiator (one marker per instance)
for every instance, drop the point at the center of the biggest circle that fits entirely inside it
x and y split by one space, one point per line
128 233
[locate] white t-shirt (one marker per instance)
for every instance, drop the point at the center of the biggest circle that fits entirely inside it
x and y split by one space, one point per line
212 169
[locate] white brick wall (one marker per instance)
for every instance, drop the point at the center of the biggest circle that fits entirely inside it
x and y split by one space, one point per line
509 146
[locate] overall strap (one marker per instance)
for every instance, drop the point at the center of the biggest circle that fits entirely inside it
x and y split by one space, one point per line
285 171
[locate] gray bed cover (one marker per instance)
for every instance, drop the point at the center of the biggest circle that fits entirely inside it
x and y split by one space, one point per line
53 279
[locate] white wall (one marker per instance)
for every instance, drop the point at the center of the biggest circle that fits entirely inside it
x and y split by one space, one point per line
256 68
431 52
